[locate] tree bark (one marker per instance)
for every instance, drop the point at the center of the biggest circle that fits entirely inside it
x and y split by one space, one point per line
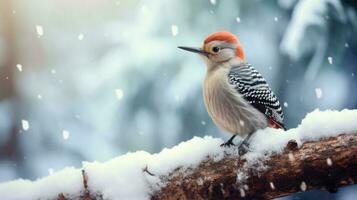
326 164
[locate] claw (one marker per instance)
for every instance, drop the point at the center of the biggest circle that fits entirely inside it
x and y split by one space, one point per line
228 144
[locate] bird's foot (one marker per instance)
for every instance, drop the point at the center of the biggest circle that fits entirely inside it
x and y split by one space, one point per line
229 143
243 148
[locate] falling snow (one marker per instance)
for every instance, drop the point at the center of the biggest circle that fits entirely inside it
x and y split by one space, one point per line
25 124
272 186
39 96
329 161
318 93
39 30
276 19
238 19
213 2
80 36
174 30
347 45
303 186
286 104
19 67
203 123
119 93
330 60
53 71
65 134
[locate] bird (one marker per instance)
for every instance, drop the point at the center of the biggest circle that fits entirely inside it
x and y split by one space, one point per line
237 97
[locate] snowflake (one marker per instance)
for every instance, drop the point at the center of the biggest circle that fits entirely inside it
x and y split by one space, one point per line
238 19
19 67
39 30
330 60
174 30
119 93
318 93
213 2
25 124
286 104
80 36
65 134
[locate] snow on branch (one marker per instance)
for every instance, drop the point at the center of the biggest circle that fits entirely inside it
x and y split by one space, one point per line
321 153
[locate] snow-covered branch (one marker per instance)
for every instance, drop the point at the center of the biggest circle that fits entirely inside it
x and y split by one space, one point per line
319 154
326 164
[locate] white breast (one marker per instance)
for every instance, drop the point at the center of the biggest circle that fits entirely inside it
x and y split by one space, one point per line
226 106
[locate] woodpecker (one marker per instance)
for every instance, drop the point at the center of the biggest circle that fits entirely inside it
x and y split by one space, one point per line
236 96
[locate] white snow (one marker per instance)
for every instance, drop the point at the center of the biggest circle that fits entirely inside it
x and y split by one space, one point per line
318 93
19 67
238 19
174 30
65 134
241 122
120 178
39 30
51 171
272 186
330 60
286 104
213 2
80 36
25 124
303 186
129 168
315 125
119 93
124 177
68 181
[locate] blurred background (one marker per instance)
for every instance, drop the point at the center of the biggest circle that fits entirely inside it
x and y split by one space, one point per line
90 80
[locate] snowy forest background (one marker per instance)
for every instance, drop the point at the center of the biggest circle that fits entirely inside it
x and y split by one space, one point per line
90 80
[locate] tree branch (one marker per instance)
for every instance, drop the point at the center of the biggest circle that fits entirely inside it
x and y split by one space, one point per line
326 164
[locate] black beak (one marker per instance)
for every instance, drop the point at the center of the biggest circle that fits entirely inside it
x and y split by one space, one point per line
194 50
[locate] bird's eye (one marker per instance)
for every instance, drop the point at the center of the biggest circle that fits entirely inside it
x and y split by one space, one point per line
216 49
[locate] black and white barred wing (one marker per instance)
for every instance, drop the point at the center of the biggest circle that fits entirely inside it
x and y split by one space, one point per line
255 90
